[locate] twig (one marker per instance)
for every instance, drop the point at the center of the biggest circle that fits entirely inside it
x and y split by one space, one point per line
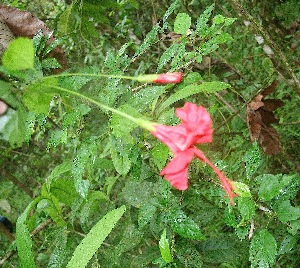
33 233
238 7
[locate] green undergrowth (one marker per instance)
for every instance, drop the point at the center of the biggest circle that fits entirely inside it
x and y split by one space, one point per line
81 181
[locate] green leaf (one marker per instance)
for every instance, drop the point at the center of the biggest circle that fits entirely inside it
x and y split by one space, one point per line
19 127
168 54
253 160
64 20
219 19
146 212
241 189
37 96
263 250
23 238
287 244
246 207
64 190
164 247
229 217
224 248
169 11
201 25
188 255
80 163
182 23
150 38
19 55
160 153
52 206
58 256
50 63
138 194
184 226
271 185
75 115
93 240
6 95
286 212
143 99
131 238
119 154
206 87
122 127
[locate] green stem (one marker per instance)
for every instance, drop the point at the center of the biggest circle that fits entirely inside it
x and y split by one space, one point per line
139 121
94 75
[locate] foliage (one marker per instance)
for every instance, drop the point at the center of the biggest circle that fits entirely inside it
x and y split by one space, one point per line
81 179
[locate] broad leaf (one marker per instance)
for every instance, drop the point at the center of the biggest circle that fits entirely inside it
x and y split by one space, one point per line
119 153
287 244
164 247
37 96
19 55
58 256
18 129
23 238
145 214
182 23
93 240
246 207
184 226
263 250
286 212
271 185
6 95
241 189
160 153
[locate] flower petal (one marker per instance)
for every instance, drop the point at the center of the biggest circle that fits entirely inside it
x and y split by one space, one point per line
195 119
178 180
179 162
175 137
177 170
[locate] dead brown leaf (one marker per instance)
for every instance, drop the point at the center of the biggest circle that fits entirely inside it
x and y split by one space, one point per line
260 116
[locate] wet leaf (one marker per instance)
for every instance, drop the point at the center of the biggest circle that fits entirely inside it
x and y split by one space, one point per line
19 55
286 212
182 23
263 250
164 247
93 240
184 226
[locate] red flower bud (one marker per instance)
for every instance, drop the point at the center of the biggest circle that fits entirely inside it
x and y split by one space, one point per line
169 78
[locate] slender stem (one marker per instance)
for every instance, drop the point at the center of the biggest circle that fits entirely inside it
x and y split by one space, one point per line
139 121
93 75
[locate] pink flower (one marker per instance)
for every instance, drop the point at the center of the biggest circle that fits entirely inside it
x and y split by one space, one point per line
181 139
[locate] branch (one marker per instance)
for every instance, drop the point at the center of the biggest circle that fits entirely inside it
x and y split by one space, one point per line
285 64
